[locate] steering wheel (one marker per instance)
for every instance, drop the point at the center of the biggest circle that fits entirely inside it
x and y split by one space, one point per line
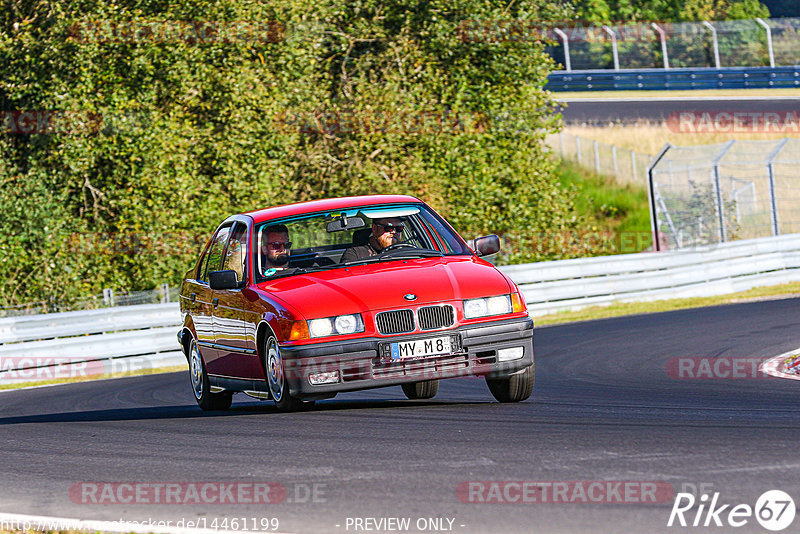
397 246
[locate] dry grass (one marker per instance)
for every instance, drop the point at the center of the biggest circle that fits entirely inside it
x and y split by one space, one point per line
649 138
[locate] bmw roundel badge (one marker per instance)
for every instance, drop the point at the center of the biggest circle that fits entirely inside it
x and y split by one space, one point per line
410 296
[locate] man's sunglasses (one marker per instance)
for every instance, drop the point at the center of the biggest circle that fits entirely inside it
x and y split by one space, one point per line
275 245
398 228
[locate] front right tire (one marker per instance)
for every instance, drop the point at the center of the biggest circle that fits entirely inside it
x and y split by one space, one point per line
512 388
200 384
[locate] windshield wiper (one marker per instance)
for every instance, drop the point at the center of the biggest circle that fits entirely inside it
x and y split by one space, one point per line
291 271
406 254
362 261
411 254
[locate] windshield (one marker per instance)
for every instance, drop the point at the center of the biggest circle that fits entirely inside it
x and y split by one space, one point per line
333 239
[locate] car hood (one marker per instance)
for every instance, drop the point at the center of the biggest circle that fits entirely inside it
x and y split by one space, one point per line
381 286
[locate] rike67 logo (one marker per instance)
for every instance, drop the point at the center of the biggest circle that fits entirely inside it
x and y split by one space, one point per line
774 510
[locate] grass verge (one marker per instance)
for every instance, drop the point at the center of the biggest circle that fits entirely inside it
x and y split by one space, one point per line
620 214
650 137
56 381
656 306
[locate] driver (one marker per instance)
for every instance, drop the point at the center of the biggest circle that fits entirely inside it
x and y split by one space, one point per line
385 232
275 247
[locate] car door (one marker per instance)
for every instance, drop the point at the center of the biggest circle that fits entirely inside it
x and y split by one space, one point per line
198 297
236 356
204 300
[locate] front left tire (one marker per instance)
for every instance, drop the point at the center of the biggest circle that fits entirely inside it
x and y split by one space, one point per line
200 384
426 389
275 369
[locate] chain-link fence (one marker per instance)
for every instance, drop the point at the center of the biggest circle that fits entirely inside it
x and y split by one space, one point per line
732 43
715 193
624 165
108 298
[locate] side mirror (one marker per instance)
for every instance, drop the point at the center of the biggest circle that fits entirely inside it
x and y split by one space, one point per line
487 245
223 280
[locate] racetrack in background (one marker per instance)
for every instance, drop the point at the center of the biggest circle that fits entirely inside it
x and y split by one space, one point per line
628 110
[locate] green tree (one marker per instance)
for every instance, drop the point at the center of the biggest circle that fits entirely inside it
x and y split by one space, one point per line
667 10
160 137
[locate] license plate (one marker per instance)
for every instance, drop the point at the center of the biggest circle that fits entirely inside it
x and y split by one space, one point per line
421 348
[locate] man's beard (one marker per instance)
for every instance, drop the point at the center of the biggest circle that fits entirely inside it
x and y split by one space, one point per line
387 240
281 259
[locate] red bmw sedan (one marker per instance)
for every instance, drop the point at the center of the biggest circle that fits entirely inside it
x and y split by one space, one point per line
296 303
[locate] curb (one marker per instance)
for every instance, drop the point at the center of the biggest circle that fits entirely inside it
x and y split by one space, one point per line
786 365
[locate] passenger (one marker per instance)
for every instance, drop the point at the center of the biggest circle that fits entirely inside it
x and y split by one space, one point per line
385 232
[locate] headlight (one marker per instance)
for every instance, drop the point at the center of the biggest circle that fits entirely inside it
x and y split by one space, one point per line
475 308
346 324
341 324
499 305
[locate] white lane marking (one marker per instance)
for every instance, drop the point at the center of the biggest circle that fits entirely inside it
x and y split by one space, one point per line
46 523
777 366
720 99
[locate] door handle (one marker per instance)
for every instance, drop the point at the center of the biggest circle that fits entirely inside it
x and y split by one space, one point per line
215 302
193 296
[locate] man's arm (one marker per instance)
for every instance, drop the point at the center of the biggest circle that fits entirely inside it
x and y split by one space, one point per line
355 253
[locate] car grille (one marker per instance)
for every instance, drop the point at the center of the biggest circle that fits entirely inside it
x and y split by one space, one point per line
395 322
433 317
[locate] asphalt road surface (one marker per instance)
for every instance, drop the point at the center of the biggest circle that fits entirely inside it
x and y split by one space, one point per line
630 110
608 406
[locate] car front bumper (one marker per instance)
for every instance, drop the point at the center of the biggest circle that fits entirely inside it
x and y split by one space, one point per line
360 364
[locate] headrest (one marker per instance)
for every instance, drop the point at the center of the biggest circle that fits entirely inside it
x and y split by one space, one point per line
361 236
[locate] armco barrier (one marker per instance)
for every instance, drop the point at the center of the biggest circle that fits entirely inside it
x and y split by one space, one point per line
54 325
660 79
89 342
137 332
715 270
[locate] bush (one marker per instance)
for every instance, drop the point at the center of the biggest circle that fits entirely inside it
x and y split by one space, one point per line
158 138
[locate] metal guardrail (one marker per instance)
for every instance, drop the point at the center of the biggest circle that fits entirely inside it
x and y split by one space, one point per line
78 323
107 299
112 334
683 78
706 271
90 342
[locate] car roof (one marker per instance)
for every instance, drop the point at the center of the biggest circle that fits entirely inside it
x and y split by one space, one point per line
289 210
